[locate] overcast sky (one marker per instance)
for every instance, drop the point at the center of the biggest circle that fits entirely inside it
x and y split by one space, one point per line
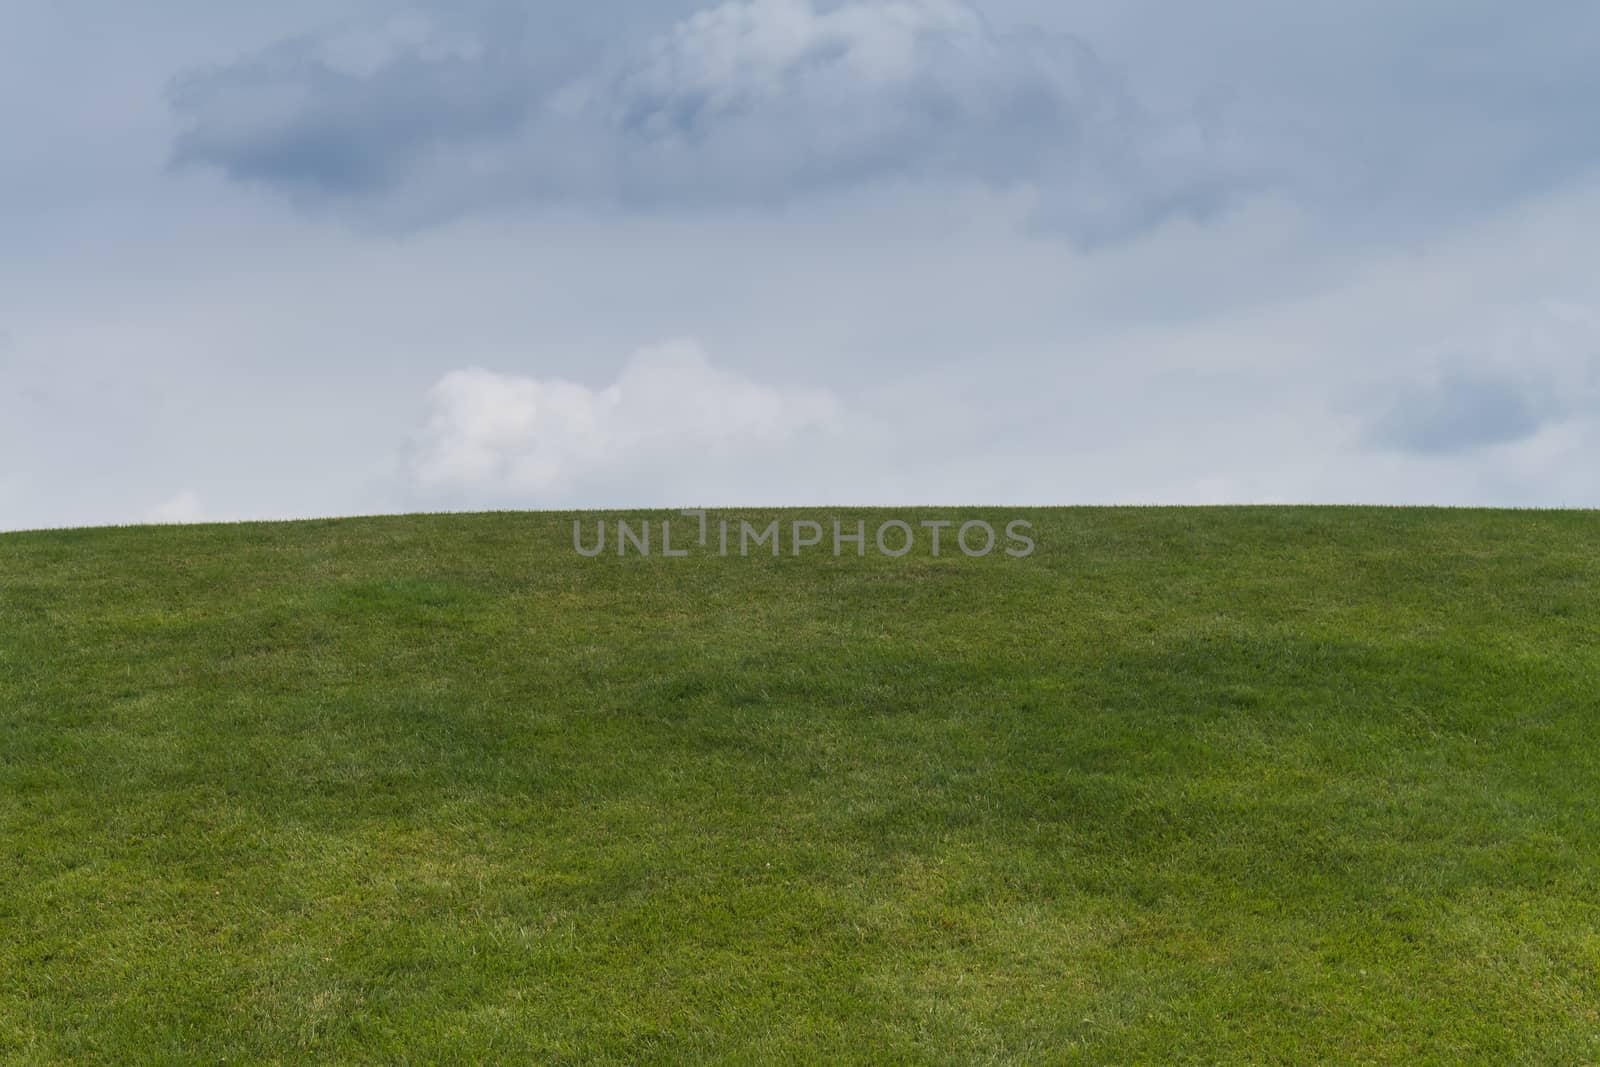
354 256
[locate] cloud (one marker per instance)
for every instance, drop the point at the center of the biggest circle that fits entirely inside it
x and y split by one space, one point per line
353 112
670 416
756 103
183 508
1461 411
1538 366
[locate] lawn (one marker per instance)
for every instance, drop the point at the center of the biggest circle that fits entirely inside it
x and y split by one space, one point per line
1277 785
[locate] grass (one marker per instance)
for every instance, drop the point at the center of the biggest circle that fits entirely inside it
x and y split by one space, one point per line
1236 786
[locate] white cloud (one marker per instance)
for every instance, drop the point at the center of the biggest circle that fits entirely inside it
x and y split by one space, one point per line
182 508
671 414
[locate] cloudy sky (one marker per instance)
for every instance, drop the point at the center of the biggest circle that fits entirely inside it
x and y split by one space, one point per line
324 257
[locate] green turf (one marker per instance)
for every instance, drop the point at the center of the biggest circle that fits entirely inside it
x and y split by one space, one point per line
1185 786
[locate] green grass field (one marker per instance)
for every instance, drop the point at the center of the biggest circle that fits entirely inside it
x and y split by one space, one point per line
1229 786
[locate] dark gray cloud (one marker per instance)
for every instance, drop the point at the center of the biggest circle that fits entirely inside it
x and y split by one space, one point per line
1533 367
1463 410
752 104
354 112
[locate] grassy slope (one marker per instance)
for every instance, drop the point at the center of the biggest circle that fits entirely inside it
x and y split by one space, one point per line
1187 786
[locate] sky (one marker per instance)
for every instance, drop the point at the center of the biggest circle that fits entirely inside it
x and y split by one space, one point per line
357 256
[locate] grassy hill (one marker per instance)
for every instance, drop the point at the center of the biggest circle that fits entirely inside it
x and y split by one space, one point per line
1202 785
